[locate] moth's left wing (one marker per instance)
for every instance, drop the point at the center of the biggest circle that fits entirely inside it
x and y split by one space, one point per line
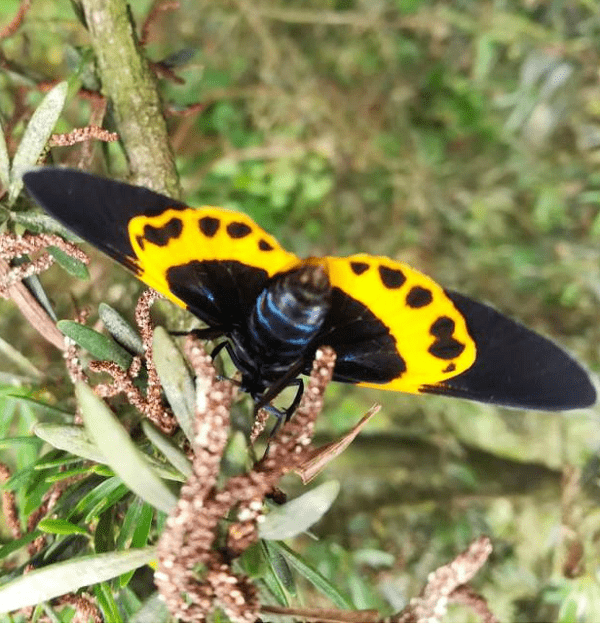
209 260
396 329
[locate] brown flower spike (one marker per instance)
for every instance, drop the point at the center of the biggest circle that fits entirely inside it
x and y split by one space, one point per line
188 541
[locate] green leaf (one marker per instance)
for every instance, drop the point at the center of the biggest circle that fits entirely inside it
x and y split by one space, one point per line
104 535
71 265
107 603
75 440
176 380
173 454
27 440
122 455
101 347
140 536
298 515
60 527
66 577
279 566
313 576
8 549
4 162
103 471
36 135
41 406
153 609
122 331
41 222
96 500
37 290
69 438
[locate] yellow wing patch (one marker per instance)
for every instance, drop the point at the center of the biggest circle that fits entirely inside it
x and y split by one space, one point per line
176 237
431 334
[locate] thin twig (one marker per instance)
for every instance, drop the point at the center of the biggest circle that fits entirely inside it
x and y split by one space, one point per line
10 29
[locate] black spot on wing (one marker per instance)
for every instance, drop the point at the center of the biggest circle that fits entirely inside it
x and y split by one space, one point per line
515 366
219 292
209 226
446 347
450 368
162 236
418 297
391 278
237 229
263 245
365 349
358 268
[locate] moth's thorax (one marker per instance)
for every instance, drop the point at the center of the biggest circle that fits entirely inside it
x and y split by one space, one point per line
286 318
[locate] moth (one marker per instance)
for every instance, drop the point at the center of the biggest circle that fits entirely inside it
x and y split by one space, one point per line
391 326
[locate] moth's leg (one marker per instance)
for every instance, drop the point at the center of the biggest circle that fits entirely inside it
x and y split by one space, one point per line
299 392
206 333
282 416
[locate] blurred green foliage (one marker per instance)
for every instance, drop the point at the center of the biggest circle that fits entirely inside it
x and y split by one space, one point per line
460 137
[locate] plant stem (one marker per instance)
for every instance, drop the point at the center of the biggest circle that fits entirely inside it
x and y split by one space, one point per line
131 86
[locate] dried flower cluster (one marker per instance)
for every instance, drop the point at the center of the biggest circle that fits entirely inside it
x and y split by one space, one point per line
79 135
447 584
189 539
11 247
151 405
85 608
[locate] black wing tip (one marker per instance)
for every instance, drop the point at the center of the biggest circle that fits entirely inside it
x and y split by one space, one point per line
515 367
37 179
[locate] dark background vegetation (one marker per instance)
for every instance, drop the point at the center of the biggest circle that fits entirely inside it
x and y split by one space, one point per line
460 137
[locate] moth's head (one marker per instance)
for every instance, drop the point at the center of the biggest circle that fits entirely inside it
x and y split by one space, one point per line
309 283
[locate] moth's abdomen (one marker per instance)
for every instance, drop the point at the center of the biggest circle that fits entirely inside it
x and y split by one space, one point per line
289 313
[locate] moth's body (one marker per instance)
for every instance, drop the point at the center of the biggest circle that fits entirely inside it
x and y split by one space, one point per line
390 326
282 328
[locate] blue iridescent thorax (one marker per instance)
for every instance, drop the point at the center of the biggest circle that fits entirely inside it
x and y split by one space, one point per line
287 316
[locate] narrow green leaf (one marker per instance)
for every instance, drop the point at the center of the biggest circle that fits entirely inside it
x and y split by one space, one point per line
60 527
140 536
122 455
127 528
71 265
267 572
107 603
68 576
36 136
75 472
101 347
104 535
153 609
298 515
122 331
176 380
42 222
280 567
75 440
41 406
69 438
4 162
173 454
275 587
37 290
8 549
29 441
313 576
19 360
